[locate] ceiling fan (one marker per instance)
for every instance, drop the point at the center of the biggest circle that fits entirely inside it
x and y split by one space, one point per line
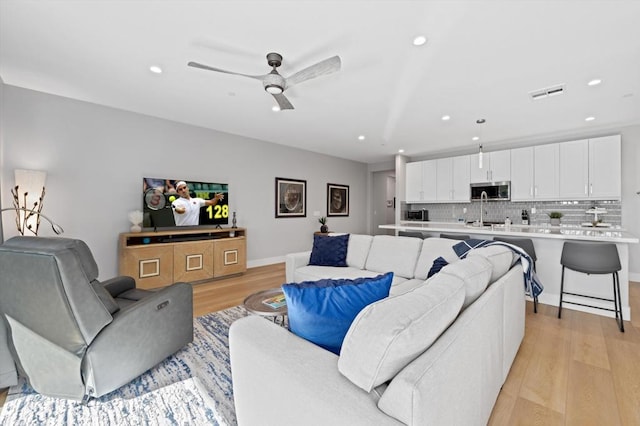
276 84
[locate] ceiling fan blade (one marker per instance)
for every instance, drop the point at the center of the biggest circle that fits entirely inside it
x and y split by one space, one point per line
283 102
208 68
321 68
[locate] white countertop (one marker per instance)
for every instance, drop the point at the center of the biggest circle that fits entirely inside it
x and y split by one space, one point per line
616 235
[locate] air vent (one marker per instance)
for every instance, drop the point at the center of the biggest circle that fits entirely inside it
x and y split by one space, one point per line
547 92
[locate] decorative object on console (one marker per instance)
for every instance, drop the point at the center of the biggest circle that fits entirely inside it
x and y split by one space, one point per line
322 311
291 197
323 221
28 195
135 217
337 200
555 218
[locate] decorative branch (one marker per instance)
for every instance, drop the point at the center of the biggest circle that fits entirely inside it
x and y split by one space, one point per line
27 213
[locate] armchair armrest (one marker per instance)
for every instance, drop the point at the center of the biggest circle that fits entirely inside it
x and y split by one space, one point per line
294 382
294 261
139 337
118 285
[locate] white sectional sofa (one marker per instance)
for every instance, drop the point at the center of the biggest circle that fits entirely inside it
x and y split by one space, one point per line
435 352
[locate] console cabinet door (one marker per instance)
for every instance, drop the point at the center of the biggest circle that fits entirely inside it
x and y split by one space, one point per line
229 256
574 170
522 174
193 261
150 266
605 176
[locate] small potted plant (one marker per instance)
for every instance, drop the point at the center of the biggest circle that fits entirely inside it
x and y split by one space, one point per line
323 221
555 218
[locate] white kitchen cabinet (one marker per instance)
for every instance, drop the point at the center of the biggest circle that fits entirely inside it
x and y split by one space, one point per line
522 181
546 172
452 181
605 174
535 173
420 181
590 169
574 170
496 167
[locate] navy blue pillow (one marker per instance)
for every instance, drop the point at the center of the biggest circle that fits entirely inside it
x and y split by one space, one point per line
329 251
438 264
322 311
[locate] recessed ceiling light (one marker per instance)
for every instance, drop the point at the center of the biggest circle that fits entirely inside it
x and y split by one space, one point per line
155 69
361 137
589 119
401 150
594 82
275 108
446 117
419 41
475 138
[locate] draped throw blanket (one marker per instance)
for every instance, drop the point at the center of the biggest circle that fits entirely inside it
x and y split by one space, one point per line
532 285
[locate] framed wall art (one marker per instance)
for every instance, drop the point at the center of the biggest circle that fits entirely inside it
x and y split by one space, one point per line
337 200
291 197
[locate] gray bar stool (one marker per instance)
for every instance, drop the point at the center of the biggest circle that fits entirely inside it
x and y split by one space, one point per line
525 244
455 236
593 258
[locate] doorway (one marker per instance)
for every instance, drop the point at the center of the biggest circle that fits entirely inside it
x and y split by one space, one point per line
383 201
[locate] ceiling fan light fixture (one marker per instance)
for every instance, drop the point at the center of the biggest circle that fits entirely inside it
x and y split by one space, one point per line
274 89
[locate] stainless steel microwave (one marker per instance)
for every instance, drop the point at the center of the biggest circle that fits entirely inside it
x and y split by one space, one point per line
494 190
422 215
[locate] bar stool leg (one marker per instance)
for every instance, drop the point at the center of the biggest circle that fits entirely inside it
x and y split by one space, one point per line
618 300
561 292
535 304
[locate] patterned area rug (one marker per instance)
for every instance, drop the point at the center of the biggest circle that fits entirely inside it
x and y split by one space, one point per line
191 387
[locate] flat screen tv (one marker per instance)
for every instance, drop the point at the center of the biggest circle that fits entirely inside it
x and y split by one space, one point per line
184 203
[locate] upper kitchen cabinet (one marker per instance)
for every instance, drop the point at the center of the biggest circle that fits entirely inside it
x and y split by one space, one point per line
496 167
605 168
421 181
574 170
453 179
534 173
590 169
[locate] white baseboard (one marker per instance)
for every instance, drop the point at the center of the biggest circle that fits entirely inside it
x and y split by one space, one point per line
265 261
634 276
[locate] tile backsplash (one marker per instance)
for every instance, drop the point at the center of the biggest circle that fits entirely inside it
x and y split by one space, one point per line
497 211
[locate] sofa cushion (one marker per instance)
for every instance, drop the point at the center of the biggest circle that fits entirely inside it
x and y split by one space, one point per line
474 271
396 254
432 248
358 250
329 250
501 258
389 334
322 311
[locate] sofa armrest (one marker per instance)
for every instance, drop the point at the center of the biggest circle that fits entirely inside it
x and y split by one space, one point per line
139 337
294 261
118 285
280 379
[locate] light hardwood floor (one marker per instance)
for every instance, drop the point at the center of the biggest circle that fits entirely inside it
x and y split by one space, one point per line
578 370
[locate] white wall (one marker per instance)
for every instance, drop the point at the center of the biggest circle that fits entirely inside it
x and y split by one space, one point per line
95 158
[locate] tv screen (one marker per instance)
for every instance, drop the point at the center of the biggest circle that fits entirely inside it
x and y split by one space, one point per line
175 202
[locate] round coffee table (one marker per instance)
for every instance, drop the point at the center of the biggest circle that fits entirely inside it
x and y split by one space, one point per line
268 303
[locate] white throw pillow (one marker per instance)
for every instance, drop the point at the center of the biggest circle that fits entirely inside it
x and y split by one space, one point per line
501 257
475 271
389 334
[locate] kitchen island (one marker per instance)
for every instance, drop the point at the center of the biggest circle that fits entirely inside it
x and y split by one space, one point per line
548 242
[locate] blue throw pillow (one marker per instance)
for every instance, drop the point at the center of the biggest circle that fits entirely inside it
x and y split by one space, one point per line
322 311
438 264
329 251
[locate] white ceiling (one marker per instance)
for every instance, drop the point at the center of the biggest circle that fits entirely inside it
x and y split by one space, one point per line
481 60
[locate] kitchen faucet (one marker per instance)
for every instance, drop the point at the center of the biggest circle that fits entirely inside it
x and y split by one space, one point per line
483 195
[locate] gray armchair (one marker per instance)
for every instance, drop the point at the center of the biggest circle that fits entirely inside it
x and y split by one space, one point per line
74 337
